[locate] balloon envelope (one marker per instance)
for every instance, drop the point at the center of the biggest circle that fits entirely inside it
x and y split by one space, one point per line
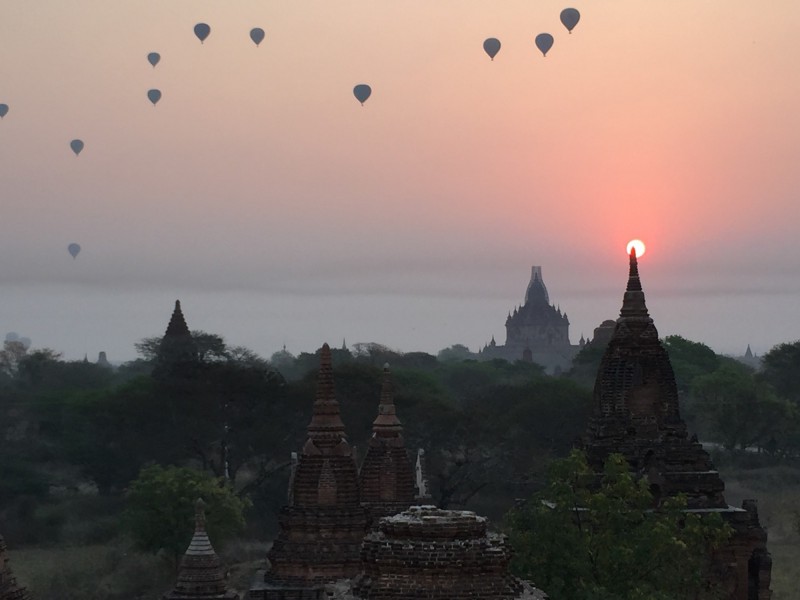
201 30
3 110
77 146
544 41
362 91
570 18
491 46
257 35
154 96
153 58
74 249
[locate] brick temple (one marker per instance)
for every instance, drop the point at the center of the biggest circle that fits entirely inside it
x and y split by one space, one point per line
200 573
9 590
386 477
636 414
426 552
324 523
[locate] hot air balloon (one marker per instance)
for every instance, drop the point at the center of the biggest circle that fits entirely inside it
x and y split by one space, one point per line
77 146
491 46
74 249
544 41
153 58
201 30
154 96
362 91
257 35
570 18
3 110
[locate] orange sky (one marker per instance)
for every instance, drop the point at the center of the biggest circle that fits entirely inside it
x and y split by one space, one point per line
675 121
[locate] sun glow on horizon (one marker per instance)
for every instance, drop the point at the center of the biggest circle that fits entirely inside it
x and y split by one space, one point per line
638 245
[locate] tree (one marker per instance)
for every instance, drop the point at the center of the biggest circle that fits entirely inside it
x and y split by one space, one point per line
689 360
780 369
456 352
159 513
740 410
578 540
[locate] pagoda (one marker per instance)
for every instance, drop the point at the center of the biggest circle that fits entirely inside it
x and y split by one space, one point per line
636 414
386 476
177 353
200 574
324 523
9 590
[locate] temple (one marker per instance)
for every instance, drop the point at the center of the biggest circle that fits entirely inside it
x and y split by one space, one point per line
177 354
322 527
200 573
386 476
535 332
636 414
9 590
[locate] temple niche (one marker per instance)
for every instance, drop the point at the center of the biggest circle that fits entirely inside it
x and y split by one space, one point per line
636 414
535 332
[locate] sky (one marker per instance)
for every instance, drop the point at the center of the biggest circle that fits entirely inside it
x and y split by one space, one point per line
282 212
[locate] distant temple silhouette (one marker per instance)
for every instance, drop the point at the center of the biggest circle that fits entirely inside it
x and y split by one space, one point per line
536 332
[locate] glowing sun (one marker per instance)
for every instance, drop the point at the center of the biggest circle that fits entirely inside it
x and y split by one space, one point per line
638 245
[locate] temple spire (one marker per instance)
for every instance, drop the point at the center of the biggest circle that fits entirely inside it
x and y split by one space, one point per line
177 323
326 424
386 424
633 304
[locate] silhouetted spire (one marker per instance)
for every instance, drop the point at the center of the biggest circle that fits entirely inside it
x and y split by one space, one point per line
177 324
748 353
326 422
633 304
177 355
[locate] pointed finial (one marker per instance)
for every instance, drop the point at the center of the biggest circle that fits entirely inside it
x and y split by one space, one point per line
199 515
633 304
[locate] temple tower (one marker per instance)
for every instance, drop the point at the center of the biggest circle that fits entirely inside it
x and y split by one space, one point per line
322 528
386 477
177 354
9 590
200 573
636 414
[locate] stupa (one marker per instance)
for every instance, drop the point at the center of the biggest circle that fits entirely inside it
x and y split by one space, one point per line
200 574
426 552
